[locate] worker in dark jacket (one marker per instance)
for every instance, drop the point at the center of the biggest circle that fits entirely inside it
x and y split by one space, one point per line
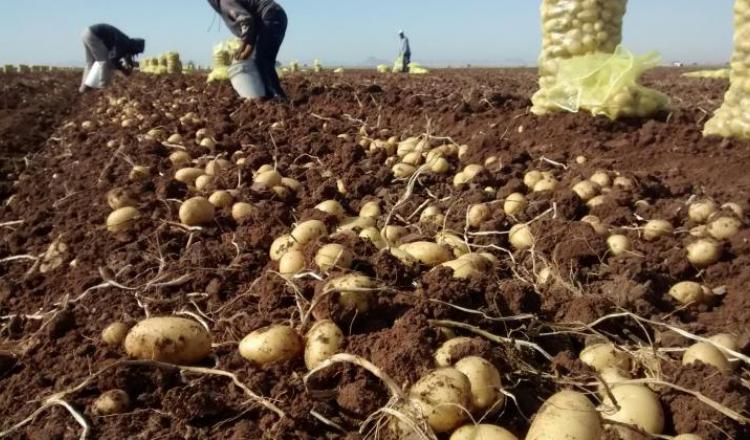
261 25
107 44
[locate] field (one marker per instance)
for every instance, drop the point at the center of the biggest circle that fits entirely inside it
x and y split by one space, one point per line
64 277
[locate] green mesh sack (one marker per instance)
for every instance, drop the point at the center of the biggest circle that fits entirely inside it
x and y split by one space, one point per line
603 84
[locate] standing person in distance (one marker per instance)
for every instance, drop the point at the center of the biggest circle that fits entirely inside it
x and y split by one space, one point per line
261 25
405 52
106 44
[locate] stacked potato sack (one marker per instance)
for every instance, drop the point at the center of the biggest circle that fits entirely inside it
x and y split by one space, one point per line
174 65
733 118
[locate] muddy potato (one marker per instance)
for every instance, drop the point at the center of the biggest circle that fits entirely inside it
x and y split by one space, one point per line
281 245
403 170
440 165
597 201
586 190
726 340
119 198
179 158
268 178
735 208
623 182
708 354
405 258
724 228
618 244
355 290
546 184
531 178
603 356
566 415
393 234
687 292
485 381
482 432
454 242
111 402
241 211
331 207
292 184
175 138
122 219
308 231
373 236
203 181
355 224
370 209
276 343
115 333
443 357
657 228
188 175
462 269
427 252
514 204
333 255
168 339
600 228
196 211
324 339
700 211
291 263
433 215
520 237
216 166
639 406
221 199
601 179
444 397
703 252
478 214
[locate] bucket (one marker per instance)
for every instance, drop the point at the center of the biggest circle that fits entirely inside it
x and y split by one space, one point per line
99 75
246 79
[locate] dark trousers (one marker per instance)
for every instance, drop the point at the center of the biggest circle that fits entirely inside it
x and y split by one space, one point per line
407 61
270 37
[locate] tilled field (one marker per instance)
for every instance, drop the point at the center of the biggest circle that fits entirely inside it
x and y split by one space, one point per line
64 277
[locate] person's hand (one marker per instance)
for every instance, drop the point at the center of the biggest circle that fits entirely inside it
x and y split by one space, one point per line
244 52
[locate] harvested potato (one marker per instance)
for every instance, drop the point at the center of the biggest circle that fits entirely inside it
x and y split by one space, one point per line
700 211
724 228
600 228
373 235
115 333
111 402
122 219
515 204
120 198
657 228
168 339
546 184
355 290
331 207
308 231
462 269
241 211
726 340
370 209
324 339
478 214
735 208
403 170
688 437
427 252
586 190
432 215
268 178
486 384
603 356
139 173
281 245
414 159
638 406
333 255
216 166
531 178
443 357
482 432
597 201
175 138
281 191
443 396
393 234
601 179
354 224
440 165
188 175
291 263
179 158
292 184
703 252
687 292
203 181
520 237
623 182
221 199
405 258
196 211
708 354
454 242
618 244
276 343
566 415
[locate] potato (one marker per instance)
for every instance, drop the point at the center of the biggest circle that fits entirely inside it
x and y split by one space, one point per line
414 158
392 233
196 211
427 252
687 437
601 179
586 190
111 402
341 187
268 178
241 211
485 381
520 237
355 290
688 292
444 398
221 199
370 209
708 354
462 269
440 165
373 235
208 143
482 260
281 191
482 432
292 184
168 339
175 139
726 340
700 231
703 253
203 181
699 212
216 166
120 198
291 263
407 146
531 178
403 170
281 245
115 333
433 215
324 339
735 208
724 228
138 173
603 356
188 175
454 242
309 231
122 219
460 179
597 201
331 207
515 204
596 223
264 169
478 214
639 406
613 376
623 182
179 158
657 228
333 255
618 244
405 258
566 415
546 184
268 345
443 357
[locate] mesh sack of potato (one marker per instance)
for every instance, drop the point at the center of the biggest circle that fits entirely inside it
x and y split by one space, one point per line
733 118
580 50
174 65
222 58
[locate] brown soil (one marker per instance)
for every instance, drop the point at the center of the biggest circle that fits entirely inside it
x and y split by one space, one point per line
55 176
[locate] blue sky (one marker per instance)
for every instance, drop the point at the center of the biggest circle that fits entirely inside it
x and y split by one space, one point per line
490 32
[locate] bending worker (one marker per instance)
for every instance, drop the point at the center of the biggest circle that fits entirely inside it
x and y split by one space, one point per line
261 25
109 46
405 52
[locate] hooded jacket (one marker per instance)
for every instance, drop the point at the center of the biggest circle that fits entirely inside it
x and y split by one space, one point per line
243 17
119 45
